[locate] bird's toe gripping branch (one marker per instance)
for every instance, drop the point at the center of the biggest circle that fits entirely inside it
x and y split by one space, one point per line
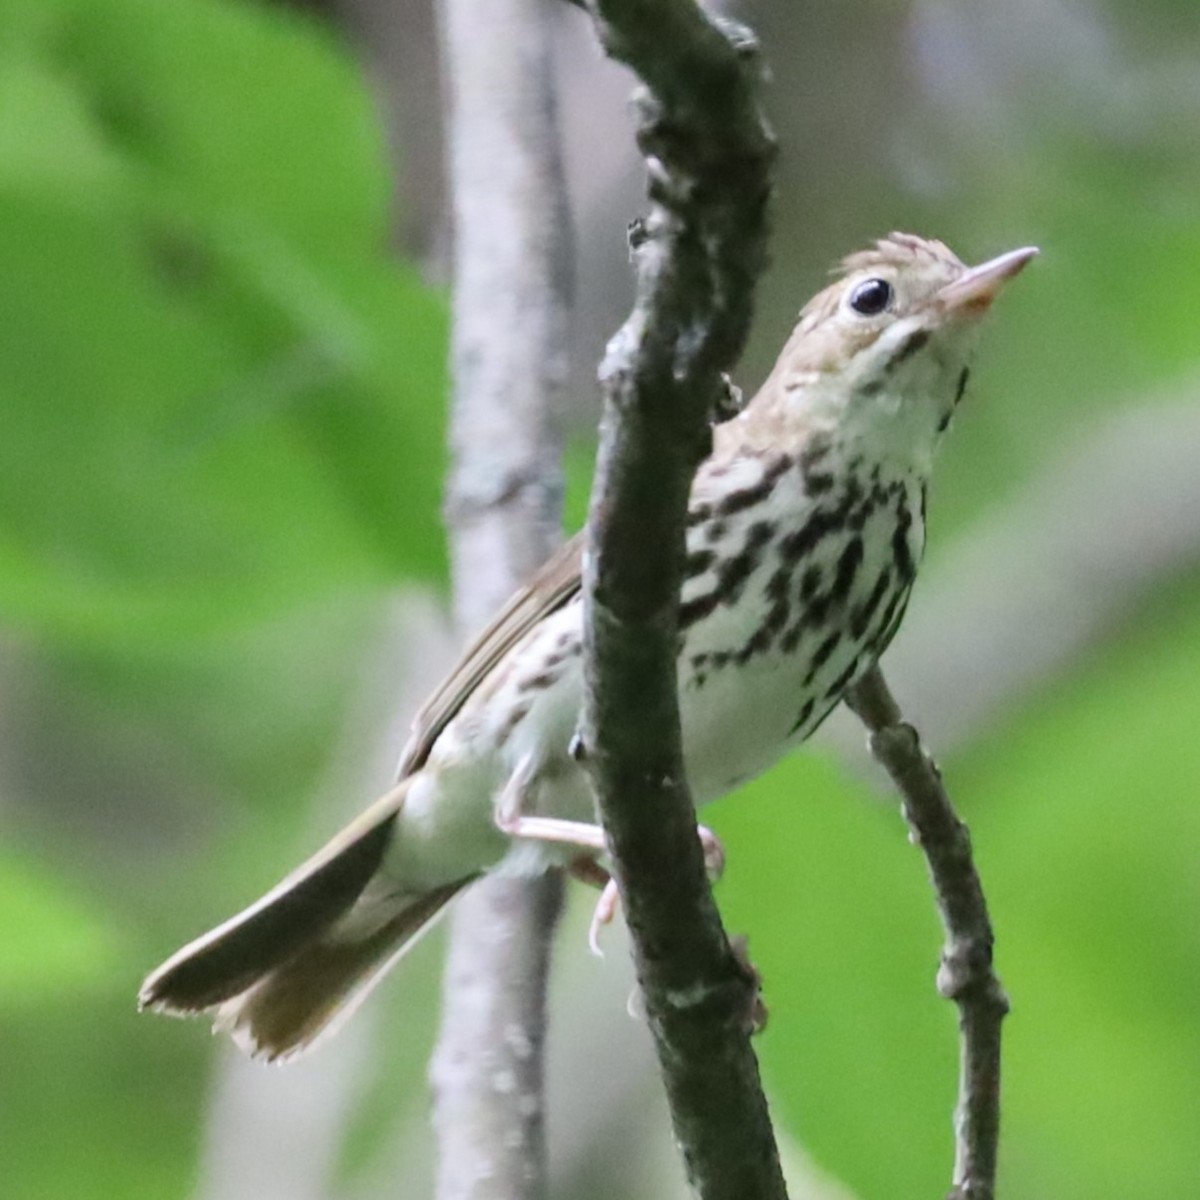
590 839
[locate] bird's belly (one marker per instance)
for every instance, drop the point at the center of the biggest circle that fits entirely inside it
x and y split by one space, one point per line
742 721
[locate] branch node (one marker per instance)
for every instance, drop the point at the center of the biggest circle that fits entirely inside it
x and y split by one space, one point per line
741 37
729 402
636 235
966 968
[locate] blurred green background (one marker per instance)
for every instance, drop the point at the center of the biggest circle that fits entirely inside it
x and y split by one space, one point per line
222 398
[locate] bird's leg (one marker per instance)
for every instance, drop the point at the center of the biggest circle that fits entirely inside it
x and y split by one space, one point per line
609 903
511 819
585 867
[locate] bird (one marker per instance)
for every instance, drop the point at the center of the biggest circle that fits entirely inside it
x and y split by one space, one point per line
804 531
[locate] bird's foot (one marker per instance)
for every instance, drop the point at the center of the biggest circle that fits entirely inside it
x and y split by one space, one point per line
590 871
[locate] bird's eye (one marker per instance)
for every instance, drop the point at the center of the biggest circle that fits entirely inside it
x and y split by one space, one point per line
870 298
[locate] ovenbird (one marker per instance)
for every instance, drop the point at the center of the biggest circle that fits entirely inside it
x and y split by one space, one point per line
805 529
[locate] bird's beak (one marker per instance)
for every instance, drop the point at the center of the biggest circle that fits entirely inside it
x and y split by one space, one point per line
972 293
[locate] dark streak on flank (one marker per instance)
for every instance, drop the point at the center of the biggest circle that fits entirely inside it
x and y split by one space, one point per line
821 656
863 614
697 562
760 641
800 542
555 658
959 389
889 630
818 610
757 492
848 563
962 385
877 642
810 582
547 677
817 484
836 688
792 636
802 718
816 450
698 608
905 567
731 579
516 715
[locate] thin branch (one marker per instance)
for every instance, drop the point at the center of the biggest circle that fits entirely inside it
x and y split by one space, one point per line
966 975
511 299
698 254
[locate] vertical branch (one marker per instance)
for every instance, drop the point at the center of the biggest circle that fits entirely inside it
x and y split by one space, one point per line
698 254
512 252
966 975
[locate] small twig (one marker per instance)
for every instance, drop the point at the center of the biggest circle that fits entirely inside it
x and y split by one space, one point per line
698 254
966 975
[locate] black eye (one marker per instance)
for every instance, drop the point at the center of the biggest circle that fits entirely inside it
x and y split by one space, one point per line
872 297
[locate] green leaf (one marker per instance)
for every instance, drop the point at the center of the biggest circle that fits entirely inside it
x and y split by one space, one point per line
55 944
210 371
1086 833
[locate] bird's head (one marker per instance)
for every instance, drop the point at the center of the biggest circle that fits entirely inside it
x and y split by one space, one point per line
880 357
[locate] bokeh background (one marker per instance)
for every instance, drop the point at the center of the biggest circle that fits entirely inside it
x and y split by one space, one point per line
223 336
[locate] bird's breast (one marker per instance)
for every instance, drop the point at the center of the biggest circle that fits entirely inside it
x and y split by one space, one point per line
785 605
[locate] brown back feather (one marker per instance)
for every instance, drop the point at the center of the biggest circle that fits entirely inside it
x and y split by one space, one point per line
554 584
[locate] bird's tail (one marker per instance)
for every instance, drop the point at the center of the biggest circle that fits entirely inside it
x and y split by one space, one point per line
301 959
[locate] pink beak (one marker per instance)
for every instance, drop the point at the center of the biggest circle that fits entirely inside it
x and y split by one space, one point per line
972 293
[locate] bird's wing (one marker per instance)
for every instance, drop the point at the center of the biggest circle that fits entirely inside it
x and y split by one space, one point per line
554 584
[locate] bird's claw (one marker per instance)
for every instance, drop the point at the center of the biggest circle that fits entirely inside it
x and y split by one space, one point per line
604 913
